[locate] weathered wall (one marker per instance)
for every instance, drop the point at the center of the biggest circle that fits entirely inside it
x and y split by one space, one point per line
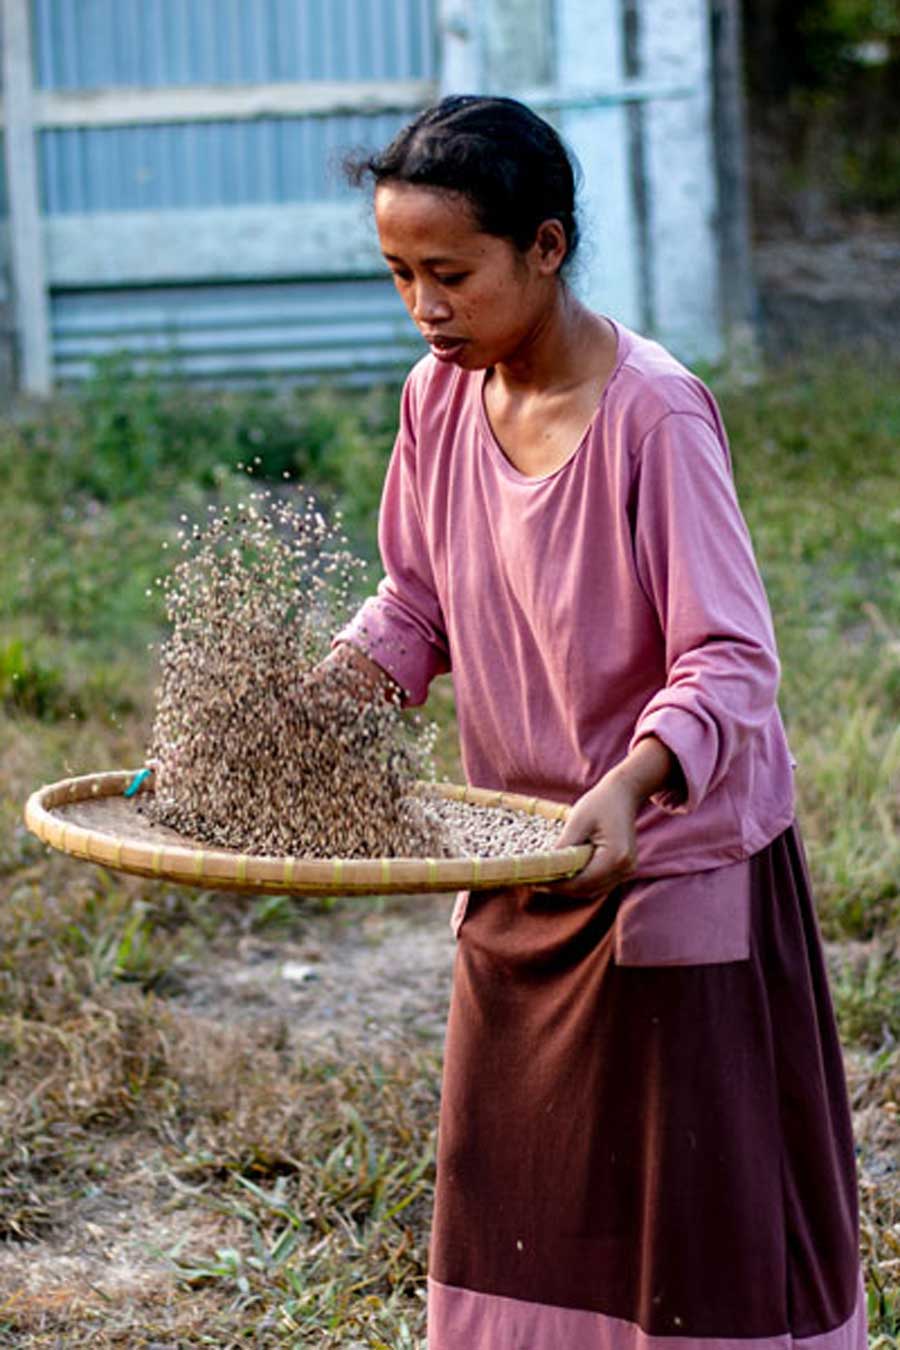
174 184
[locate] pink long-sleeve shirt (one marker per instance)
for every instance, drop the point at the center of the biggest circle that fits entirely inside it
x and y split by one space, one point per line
614 598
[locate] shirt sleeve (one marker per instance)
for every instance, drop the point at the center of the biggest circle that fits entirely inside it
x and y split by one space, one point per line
695 562
402 626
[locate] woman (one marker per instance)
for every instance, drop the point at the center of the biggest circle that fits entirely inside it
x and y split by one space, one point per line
644 1129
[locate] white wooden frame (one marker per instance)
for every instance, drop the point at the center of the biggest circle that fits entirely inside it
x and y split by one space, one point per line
25 240
212 103
234 243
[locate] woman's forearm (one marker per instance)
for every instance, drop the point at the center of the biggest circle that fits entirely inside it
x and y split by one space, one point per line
648 768
373 680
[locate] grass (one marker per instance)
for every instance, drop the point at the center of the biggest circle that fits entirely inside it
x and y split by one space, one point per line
180 1174
317 1173
815 453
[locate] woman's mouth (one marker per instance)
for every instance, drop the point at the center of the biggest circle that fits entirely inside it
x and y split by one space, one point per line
445 348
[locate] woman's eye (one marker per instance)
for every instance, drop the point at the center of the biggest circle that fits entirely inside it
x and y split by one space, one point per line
453 279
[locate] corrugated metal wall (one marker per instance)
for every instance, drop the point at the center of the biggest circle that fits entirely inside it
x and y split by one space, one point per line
303 324
90 44
196 164
238 333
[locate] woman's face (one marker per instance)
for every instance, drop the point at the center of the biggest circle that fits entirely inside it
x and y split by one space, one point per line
475 298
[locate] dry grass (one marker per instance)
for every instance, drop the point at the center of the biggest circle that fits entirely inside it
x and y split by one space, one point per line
874 1082
315 1174
281 1188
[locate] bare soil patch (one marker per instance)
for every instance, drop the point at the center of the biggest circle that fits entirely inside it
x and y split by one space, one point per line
355 982
837 291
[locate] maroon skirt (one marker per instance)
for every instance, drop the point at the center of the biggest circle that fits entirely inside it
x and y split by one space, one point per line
634 1152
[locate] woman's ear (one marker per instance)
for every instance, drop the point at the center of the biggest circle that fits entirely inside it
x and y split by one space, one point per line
550 246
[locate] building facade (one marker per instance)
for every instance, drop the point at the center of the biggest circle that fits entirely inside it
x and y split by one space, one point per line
173 183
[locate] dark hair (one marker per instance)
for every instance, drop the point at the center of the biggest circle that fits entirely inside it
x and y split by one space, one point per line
509 163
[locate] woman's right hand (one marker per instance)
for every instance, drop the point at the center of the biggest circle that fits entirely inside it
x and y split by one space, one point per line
346 665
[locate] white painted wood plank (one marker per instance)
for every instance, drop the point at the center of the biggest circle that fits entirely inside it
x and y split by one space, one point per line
590 53
26 251
680 164
590 96
517 45
246 242
461 47
206 103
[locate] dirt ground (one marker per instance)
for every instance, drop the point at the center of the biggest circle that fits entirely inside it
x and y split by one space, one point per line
376 984
838 290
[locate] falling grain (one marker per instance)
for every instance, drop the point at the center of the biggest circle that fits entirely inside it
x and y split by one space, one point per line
256 745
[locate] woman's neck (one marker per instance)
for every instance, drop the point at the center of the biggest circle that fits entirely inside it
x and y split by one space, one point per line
540 410
563 350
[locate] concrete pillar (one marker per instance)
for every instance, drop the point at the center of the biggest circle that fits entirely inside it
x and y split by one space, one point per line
673 43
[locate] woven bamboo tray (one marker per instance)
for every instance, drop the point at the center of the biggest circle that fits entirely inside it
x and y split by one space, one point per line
89 818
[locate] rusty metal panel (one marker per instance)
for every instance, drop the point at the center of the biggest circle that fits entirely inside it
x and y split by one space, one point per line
354 328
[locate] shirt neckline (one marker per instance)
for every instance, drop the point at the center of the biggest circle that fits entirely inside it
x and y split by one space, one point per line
498 454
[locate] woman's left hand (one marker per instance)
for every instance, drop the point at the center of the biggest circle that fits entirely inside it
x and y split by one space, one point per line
605 817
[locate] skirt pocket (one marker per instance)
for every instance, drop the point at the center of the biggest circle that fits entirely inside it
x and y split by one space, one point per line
700 919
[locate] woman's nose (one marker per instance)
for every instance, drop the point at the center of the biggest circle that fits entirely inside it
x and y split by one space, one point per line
429 305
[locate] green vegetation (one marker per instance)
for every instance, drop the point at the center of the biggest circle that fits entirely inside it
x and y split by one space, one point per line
279 1195
825 74
815 457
